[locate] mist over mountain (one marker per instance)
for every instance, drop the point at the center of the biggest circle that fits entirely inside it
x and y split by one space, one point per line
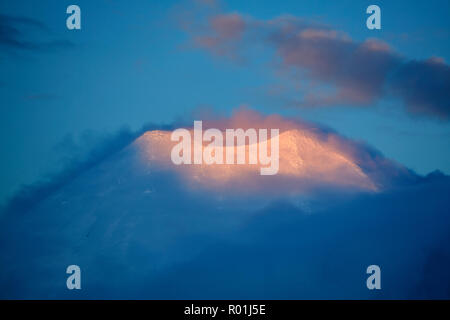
141 228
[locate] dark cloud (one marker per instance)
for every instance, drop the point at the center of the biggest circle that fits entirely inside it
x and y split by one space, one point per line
286 253
28 34
354 73
425 87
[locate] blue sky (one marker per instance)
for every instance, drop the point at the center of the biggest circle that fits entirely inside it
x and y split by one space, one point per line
132 64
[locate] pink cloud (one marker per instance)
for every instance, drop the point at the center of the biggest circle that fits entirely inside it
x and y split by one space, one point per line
361 73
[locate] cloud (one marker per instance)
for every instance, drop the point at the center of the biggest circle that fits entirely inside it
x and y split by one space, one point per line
21 33
138 232
425 87
341 71
40 97
226 29
283 252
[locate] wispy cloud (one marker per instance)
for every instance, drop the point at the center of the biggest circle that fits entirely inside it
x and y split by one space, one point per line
40 97
28 34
